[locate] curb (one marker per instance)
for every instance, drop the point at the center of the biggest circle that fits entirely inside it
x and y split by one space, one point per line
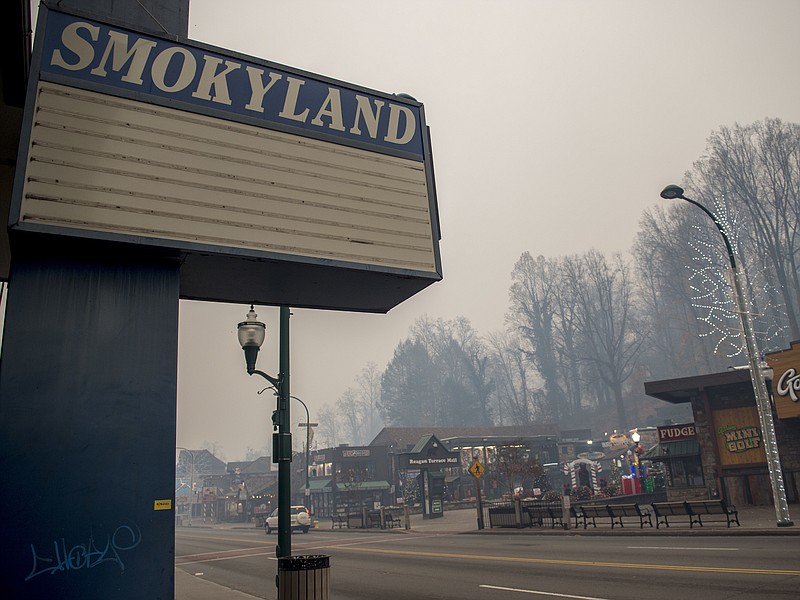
667 532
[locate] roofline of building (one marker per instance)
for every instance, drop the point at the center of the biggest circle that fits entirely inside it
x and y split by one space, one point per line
682 389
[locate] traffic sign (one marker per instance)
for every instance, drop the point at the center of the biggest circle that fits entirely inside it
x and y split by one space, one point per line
477 469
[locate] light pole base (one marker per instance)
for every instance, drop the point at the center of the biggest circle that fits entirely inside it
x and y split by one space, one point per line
786 523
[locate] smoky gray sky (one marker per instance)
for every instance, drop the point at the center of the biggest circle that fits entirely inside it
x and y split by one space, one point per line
554 123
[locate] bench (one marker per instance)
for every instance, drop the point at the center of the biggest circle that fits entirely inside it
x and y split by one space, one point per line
556 515
355 520
374 519
695 510
665 510
593 511
578 516
700 508
538 514
620 511
338 520
391 520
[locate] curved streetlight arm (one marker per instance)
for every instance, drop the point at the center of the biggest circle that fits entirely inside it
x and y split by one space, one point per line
304 406
727 241
673 192
275 381
308 421
308 443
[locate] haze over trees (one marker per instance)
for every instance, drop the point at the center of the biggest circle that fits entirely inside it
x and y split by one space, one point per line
584 331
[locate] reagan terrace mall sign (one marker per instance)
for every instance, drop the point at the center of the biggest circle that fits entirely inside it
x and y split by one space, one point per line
785 367
272 185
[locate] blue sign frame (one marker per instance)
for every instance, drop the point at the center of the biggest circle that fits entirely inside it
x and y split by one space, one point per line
88 54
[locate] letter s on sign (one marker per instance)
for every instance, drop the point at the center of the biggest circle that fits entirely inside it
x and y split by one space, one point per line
76 44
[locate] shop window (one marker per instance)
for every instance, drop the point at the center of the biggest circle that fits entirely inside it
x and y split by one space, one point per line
355 471
686 472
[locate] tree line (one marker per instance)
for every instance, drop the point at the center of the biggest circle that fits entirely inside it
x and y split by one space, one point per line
584 331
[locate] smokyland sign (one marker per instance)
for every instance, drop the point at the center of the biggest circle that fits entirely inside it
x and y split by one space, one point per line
101 54
274 185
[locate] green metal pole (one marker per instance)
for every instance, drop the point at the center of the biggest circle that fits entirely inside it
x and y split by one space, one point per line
284 547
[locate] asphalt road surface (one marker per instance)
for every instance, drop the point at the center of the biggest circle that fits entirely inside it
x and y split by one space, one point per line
390 566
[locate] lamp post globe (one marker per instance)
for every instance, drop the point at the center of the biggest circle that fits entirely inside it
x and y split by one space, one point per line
251 334
671 192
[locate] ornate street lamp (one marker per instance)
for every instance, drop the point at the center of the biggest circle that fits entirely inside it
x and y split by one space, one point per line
636 437
673 192
251 333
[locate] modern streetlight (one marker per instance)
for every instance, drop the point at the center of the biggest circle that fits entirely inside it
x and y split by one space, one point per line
251 333
673 192
308 425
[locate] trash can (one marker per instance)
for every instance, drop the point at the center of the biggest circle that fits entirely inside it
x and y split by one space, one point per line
304 577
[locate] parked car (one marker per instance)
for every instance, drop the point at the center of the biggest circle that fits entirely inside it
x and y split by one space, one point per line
301 520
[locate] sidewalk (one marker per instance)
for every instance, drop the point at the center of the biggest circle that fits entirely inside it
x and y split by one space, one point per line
755 521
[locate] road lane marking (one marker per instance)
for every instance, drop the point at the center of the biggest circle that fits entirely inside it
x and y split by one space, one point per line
187 559
681 548
579 563
216 556
539 593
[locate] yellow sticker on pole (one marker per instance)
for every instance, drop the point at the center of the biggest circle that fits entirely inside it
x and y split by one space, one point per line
162 504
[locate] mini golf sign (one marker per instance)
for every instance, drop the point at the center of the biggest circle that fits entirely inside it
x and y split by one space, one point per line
322 191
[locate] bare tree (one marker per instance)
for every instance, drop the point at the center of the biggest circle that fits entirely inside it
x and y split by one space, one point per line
460 368
517 401
603 291
328 432
351 412
533 312
409 390
757 168
516 466
368 391
665 252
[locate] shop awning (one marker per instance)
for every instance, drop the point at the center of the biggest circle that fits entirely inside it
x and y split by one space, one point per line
363 486
666 451
317 486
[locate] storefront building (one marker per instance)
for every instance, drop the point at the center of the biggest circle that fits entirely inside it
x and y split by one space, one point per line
347 478
540 442
732 463
679 451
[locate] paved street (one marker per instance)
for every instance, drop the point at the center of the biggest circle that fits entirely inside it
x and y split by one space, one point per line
448 558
